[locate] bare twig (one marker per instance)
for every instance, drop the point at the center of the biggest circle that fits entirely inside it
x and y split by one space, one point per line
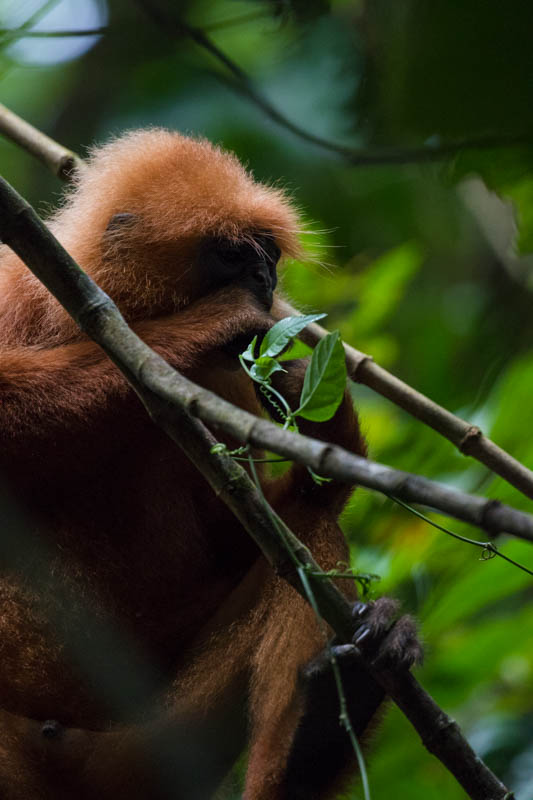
468 438
489 549
56 157
152 378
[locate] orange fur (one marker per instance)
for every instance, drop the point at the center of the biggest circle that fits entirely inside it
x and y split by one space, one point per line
133 539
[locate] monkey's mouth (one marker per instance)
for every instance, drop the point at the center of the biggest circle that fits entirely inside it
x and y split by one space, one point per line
239 343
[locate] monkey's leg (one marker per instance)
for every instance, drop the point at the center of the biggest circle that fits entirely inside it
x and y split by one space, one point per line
289 638
174 758
182 753
40 760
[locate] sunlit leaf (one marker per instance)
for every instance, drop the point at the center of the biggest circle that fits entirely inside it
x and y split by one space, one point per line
279 336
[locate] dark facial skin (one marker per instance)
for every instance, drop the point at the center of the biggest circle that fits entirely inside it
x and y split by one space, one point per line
246 264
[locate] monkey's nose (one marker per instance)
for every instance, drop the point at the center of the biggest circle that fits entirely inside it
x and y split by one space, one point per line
262 277
261 282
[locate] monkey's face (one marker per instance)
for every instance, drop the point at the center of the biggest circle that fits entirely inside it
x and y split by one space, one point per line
161 220
154 278
249 263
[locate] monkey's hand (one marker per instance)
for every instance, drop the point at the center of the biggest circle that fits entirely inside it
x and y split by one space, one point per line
385 640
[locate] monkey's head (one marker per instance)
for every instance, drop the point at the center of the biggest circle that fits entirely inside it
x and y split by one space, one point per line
160 220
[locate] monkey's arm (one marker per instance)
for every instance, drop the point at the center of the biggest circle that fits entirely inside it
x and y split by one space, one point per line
54 401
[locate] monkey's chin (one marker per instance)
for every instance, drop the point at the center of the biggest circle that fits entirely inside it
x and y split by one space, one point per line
225 360
241 342
227 356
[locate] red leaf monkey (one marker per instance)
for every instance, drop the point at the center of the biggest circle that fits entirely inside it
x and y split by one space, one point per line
137 545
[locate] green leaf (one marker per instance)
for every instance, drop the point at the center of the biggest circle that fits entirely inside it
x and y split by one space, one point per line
325 380
264 367
295 351
248 354
279 336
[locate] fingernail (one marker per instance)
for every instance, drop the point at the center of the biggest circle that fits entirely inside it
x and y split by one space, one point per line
363 635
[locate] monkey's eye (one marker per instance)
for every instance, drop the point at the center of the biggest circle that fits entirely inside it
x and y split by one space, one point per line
235 255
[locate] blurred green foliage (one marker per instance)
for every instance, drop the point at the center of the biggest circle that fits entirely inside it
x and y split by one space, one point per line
427 266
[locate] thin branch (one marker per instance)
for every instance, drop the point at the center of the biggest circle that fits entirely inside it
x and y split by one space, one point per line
241 82
22 33
10 35
490 515
468 438
58 159
151 377
489 549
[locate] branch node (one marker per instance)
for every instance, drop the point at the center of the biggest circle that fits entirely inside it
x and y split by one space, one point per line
472 434
89 313
67 166
230 486
355 362
324 453
192 406
442 723
484 521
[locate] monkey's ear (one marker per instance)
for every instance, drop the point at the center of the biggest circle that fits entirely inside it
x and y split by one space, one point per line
120 221
116 234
